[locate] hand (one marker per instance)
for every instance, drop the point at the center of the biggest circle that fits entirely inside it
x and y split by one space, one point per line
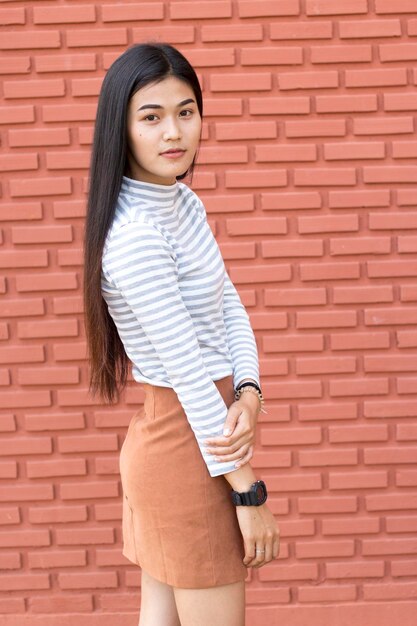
241 420
259 530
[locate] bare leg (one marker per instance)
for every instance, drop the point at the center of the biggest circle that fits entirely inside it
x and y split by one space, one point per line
157 606
223 605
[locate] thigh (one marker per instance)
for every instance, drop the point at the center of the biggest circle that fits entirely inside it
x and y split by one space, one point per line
157 604
224 604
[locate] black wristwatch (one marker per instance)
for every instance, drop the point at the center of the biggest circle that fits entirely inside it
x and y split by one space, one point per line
255 497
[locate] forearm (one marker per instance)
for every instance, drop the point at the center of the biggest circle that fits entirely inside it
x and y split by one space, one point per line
242 478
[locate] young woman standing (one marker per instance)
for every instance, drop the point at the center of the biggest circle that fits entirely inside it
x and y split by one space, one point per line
157 295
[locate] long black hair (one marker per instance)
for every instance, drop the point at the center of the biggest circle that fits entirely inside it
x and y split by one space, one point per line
140 65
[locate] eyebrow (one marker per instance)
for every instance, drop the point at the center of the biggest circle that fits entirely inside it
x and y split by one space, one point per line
158 106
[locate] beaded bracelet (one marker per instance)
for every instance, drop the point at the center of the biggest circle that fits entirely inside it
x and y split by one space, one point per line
252 389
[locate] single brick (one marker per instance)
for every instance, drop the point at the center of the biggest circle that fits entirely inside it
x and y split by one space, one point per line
86 86
352 569
375 547
42 234
327 593
382 126
333 7
232 32
65 63
245 130
358 526
401 6
315 128
286 572
30 354
30 40
347 104
223 107
67 160
96 37
169 34
255 178
64 14
391 502
142 11
303 29
15 65
214 9
267 8
12 16
326 319
359 198
341 54
325 176
18 162
271 56
17 114
241 82
356 150
400 102
218 57
221 154
308 80
22 306
345 434
39 137
47 328
335 504
358 480
291 201
376 77
291 436
352 387
272 153
48 282
279 106
16 258
366 29
69 112
40 187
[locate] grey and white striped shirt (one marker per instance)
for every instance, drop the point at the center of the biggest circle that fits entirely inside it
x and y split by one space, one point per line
178 314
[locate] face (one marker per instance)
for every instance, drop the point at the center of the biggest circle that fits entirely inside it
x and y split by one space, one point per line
163 131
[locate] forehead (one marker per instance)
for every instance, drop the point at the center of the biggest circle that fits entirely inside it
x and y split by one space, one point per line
167 92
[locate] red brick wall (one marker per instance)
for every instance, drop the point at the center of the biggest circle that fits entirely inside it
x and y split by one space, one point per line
308 173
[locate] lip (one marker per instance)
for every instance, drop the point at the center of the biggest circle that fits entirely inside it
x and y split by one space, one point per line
173 153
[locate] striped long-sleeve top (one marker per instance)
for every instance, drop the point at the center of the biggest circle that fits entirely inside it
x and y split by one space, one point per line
177 313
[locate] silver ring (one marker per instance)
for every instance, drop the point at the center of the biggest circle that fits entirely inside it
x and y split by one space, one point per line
260 550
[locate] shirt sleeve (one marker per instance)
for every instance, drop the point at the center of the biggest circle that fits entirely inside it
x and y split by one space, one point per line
141 263
240 336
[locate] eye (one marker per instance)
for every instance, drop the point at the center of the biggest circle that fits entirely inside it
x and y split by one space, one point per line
151 117
186 113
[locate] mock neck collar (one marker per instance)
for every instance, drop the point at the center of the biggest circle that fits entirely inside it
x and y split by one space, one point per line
140 188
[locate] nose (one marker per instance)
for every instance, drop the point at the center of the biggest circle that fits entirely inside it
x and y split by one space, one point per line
171 130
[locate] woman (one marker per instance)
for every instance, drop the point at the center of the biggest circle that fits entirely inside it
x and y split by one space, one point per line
157 295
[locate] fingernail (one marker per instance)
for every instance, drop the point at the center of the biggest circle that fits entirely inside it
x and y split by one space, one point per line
226 431
237 464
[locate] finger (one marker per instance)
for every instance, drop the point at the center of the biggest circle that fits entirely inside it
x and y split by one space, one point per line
229 447
233 456
246 458
249 552
259 560
269 545
275 548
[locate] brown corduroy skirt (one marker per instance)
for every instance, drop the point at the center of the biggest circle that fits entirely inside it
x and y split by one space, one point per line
179 523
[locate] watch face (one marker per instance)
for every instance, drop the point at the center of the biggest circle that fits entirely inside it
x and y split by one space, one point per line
260 492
